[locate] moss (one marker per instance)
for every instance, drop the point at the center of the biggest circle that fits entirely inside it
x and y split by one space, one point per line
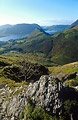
22 114
36 113
72 82
12 84
18 91
68 68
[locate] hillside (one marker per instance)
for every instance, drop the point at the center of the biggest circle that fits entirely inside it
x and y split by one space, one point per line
65 47
75 24
67 73
18 29
37 41
42 97
28 90
61 48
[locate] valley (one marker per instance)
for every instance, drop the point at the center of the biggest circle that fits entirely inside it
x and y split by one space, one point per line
39 73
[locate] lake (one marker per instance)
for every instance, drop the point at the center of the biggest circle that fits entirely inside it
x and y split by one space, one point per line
50 31
11 37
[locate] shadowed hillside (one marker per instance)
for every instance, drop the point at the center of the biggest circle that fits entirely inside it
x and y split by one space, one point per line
75 24
65 46
18 29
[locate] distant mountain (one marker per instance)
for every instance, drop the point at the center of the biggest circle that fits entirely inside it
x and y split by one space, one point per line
75 24
37 41
19 29
5 26
54 28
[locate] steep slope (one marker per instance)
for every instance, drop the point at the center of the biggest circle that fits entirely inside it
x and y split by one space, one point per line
37 41
65 47
19 29
75 24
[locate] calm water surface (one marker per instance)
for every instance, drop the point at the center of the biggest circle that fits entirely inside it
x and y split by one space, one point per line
11 37
48 31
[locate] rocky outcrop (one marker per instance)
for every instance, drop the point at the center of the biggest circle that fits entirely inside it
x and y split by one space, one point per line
47 93
64 77
44 93
12 102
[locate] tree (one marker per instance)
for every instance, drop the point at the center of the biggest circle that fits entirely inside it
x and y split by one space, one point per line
31 70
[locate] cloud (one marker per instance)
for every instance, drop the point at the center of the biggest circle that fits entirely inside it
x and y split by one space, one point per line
56 22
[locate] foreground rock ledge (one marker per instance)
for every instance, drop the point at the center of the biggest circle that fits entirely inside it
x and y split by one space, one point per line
44 93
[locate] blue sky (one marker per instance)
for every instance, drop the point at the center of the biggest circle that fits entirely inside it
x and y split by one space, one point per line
43 12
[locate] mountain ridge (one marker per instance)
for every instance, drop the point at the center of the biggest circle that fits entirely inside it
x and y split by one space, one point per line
19 29
75 24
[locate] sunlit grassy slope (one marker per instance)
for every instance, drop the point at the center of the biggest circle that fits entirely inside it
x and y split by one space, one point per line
66 70
65 47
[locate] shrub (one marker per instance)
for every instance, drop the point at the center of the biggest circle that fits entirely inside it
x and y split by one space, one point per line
36 113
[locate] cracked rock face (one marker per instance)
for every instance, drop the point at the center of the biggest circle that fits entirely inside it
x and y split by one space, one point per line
45 93
11 107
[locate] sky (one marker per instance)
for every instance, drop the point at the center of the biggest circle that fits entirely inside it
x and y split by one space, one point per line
42 12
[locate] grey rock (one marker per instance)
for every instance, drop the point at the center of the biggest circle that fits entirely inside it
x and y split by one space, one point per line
12 118
1 116
45 92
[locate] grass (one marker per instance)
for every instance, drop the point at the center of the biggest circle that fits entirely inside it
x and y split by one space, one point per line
68 68
65 70
65 47
36 113
10 64
5 81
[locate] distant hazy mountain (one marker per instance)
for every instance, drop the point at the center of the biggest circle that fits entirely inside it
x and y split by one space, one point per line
19 29
5 26
54 28
75 24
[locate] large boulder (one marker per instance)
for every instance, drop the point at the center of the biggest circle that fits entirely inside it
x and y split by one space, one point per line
45 93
